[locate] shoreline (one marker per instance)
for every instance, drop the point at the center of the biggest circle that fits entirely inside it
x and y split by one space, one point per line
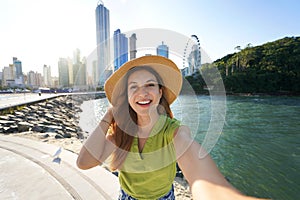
56 122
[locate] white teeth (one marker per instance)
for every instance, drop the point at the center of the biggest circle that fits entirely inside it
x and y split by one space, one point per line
143 102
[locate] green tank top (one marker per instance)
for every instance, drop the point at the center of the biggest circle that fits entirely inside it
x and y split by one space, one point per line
150 174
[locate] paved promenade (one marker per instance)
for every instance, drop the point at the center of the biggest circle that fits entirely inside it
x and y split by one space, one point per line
28 170
10 100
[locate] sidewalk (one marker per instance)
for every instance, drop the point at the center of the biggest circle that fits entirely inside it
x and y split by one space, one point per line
11 100
29 171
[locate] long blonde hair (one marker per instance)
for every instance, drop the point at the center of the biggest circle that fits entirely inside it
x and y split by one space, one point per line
124 126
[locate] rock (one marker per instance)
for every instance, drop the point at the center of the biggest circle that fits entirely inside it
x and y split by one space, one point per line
10 116
67 135
7 122
49 106
38 128
19 114
59 136
45 136
17 120
12 129
68 129
52 128
4 117
27 109
49 116
31 118
33 108
24 126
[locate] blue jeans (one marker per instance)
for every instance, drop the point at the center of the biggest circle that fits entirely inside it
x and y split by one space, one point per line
169 196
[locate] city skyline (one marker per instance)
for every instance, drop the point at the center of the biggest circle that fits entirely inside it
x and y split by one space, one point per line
40 32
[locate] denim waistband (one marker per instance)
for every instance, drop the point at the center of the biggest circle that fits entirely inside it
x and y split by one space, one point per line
169 196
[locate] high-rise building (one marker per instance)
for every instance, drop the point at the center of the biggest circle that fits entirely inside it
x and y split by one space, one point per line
78 70
31 79
163 50
7 75
63 72
120 49
47 76
18 74
103 44
18 67
132 46
194 59
76 56
34 79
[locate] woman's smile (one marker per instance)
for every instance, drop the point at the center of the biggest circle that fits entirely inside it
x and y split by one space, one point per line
144 102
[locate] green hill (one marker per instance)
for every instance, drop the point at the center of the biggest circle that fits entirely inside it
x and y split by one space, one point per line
272 68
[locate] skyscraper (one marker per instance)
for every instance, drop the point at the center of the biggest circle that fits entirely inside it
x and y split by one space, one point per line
163 50
103 46
194 59
120 49
18 74
63 72
18 67
78 69
47 76
132 46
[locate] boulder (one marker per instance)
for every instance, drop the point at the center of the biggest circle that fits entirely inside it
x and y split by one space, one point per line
24 126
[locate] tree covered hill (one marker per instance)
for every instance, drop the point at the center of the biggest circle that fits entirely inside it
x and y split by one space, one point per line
273 68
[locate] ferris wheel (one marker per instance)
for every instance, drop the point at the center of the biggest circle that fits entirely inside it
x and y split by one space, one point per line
192 55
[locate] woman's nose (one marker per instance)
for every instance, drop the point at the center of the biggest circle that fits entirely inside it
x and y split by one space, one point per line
142 90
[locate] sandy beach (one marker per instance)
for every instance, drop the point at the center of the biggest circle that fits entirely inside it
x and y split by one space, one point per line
71 142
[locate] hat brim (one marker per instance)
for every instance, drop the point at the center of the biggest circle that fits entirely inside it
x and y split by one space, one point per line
166 68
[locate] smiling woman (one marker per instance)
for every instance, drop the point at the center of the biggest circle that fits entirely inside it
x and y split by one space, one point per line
145 142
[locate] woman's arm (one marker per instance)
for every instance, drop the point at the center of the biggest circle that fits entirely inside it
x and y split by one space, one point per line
205 179
98 146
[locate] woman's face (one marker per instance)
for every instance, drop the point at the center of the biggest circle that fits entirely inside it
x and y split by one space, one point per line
143 92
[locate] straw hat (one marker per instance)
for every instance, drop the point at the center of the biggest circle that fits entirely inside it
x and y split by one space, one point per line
167 69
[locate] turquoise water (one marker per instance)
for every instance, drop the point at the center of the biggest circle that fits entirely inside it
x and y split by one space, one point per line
258 149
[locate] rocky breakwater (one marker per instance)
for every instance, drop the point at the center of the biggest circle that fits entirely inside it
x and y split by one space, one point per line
49 121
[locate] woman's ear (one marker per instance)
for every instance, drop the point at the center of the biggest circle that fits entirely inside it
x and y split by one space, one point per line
160 92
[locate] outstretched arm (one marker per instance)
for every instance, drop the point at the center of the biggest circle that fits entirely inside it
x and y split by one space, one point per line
205 180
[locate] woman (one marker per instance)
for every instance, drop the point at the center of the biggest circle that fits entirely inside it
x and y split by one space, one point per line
143 139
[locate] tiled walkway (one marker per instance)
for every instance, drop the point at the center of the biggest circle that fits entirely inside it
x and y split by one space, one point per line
28 170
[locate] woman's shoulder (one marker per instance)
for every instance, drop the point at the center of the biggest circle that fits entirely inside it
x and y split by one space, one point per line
183 132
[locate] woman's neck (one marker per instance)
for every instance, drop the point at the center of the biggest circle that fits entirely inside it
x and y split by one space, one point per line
146 124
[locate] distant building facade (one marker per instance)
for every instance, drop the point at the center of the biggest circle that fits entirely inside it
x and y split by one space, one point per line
34 79
162 50
103 43
132 46
194 59
63 72
79 74
18 75
47 76
120 49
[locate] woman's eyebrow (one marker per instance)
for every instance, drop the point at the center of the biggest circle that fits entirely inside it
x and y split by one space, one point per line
150 80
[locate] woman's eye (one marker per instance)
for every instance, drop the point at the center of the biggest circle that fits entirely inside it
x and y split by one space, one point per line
150 85
133 87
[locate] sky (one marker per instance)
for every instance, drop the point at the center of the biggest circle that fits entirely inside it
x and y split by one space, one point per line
39 32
